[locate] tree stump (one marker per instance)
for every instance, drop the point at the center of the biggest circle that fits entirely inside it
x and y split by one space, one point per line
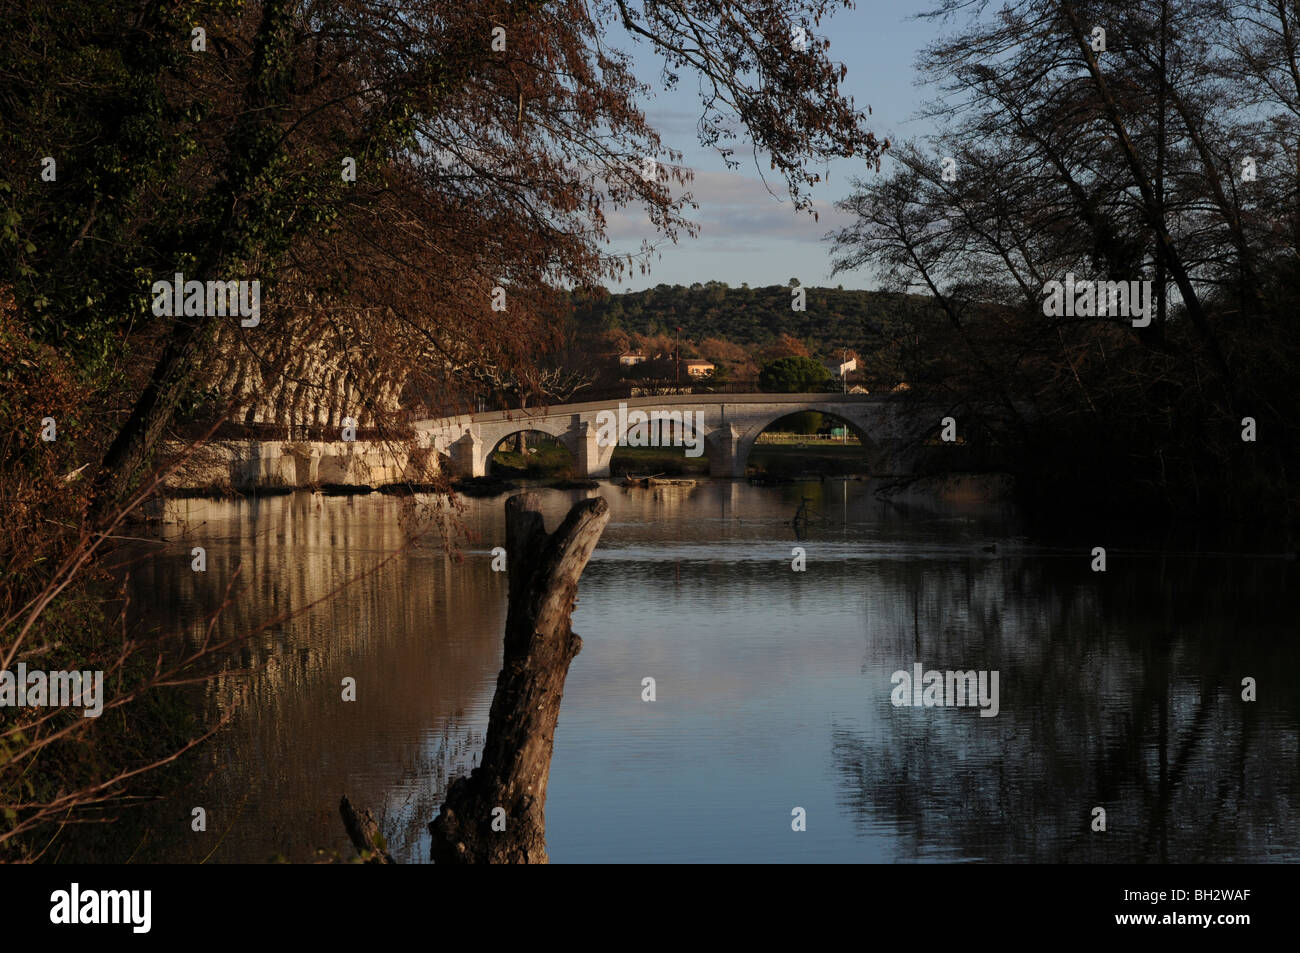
497 814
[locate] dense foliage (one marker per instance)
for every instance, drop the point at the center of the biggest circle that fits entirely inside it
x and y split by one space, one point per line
742 329
1164 154
793 375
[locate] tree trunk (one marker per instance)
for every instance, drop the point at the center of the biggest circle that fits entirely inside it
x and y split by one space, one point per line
128 455
257 139
497 814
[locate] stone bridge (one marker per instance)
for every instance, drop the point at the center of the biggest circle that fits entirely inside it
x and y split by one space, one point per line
890 431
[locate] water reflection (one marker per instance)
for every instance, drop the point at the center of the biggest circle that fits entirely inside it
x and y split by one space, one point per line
1119 690
1123 693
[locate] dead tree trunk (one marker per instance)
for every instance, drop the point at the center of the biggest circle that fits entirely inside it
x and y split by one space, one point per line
497 814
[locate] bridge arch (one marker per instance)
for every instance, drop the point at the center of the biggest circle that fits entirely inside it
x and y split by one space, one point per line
564 439
661 431
745 444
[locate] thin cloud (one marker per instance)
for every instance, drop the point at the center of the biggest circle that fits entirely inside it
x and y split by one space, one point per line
737 210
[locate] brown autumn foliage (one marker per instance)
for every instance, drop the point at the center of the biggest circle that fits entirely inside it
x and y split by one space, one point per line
784 346
734 357
477 167
480 165
40 487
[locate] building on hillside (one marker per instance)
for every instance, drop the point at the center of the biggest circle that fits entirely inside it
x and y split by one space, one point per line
630 360
840 368
697 368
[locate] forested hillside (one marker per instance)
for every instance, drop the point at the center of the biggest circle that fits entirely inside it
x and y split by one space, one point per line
752 317
743 328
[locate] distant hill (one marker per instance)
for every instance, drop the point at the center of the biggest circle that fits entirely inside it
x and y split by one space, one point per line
753 317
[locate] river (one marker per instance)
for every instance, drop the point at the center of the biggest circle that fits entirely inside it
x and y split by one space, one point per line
1119 690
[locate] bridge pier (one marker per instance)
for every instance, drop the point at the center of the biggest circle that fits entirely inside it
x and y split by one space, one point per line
306 463
723 452
587 451
467 458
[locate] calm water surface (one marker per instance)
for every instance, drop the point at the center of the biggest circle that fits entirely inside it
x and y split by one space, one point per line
1119 690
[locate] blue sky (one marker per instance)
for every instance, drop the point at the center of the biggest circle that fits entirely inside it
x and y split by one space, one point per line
747 234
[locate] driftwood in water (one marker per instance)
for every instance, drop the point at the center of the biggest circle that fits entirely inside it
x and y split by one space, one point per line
508 788
364 833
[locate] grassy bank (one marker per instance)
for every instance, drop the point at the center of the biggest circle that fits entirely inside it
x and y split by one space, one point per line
542 459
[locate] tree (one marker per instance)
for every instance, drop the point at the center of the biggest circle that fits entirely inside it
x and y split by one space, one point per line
1128 165
476 168
731 360
786 345
793 375
511 778
412 199
807 422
